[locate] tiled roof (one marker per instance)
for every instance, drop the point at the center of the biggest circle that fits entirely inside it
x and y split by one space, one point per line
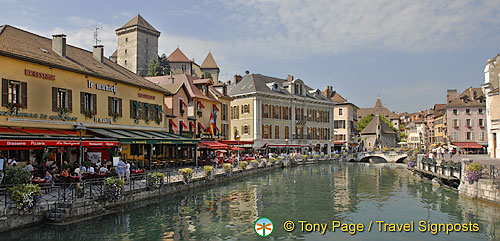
20 44
187 80
470 97
378 109
115 54
173 88
178 56
371 128
202 81
209 62
139 21
336 97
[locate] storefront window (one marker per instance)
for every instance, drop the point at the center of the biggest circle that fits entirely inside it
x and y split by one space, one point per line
14 92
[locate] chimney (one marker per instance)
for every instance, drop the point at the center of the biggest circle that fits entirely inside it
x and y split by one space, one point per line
451 95
247 72
224 89
290 77
98 53
59 44
170 78
237 78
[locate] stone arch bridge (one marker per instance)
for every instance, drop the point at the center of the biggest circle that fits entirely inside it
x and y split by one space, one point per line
376 157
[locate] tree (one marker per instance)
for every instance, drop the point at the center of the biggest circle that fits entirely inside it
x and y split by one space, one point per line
164 65
154 68
207 75
389 124
364 122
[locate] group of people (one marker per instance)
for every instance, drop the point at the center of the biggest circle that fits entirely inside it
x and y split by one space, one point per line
440 153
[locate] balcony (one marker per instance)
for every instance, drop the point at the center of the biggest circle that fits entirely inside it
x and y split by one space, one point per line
300 122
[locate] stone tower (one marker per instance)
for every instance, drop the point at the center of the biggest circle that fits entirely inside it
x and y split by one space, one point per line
211 67
137 45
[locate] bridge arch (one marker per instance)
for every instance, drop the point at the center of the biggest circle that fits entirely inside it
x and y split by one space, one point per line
373 159
401 159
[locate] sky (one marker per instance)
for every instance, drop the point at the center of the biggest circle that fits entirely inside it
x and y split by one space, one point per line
406 52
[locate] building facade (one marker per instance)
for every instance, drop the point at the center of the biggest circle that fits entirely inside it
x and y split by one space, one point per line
377 134
279 113
466 119
491 91
137 45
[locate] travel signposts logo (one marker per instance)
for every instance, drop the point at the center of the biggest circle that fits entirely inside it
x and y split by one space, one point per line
263 227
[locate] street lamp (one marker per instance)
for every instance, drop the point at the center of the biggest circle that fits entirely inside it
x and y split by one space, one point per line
80 132
238 139
330 148
286 146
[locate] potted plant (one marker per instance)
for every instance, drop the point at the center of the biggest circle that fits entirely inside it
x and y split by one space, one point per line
113 188
115 116
25 197
411 163
228 167
88 113
187 174
158 121
14 108
316 156
208 171
255 163
473 171
136 120
305 157
146 119
155 180
243 165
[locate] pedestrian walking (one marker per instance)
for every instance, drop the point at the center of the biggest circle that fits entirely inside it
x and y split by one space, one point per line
127 171
120 169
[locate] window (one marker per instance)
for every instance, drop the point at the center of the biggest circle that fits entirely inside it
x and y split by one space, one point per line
61 99
181 107
468 135
276 132
14 92
114 106
88 103
246 109
287 132
235 114
126 40
341 111
224 113
125 51
135 109
339 124
184 68
481 136
246 130
481 122
455 111
467 111
265 111
455 136
469 122
455 123
181 127
136 149
481 111
125 62
235 132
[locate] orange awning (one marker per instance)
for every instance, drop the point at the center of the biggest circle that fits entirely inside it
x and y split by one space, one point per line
191 124
201 105
173 123
216 108
182 102
212 145
467 145
183 125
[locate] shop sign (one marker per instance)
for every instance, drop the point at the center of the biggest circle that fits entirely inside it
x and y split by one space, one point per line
109 88
56 143
145 96
103 120
40 75
40 116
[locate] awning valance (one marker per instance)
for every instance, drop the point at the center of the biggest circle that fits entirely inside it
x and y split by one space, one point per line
192 125
216 108
65 143
183 125
173 123
137 105
212 145
143 136
474 145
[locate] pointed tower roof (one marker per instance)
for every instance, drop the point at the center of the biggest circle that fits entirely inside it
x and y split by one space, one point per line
209 62
178 56
378 104
371 128
140 22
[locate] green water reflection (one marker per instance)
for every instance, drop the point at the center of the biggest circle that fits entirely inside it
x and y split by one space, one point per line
346 192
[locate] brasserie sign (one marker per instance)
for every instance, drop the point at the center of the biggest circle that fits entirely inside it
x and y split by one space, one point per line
39 75
109 88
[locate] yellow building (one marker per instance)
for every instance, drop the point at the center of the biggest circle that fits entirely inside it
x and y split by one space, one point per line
49 87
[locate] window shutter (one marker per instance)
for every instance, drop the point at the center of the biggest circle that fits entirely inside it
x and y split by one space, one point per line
232 113
24 94
54 99
5 92
262 111
120 107
110 106
94 104
70 100
131 109
82 102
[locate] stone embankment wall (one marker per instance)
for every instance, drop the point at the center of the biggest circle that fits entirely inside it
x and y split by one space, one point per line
483 189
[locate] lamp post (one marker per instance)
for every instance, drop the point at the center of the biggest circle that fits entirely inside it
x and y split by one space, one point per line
238 141
80 132
330 148
286 146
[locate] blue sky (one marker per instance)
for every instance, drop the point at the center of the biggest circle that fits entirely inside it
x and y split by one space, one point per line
407 52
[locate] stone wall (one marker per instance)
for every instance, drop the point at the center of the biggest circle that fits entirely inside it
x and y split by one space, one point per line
484 189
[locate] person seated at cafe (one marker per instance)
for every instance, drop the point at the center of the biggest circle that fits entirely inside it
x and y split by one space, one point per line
29 167
133 167
91 169
77 171
84 169
48 177
65 173
103 170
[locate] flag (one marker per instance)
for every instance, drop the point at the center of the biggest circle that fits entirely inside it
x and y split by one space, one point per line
211 126
215 119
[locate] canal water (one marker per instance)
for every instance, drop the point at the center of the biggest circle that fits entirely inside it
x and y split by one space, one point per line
349 193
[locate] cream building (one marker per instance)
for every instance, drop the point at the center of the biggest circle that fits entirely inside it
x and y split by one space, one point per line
490 89
279 113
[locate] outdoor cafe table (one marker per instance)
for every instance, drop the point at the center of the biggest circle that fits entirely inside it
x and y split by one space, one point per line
38 181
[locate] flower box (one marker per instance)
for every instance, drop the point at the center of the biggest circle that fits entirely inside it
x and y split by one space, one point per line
25 197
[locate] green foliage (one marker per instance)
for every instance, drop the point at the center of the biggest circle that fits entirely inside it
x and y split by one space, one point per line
25 196
16 176
207 75
113 188
155 180
208 170
154 68
389 124
364 122
228 167
243 165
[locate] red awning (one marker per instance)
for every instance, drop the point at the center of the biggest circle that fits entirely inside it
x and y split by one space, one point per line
212 145
467 145
201 126
236 149
217 128
237 142
290 145
191 124
44 143
182 102
216 108
339 143
202 106
173 123
183 125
